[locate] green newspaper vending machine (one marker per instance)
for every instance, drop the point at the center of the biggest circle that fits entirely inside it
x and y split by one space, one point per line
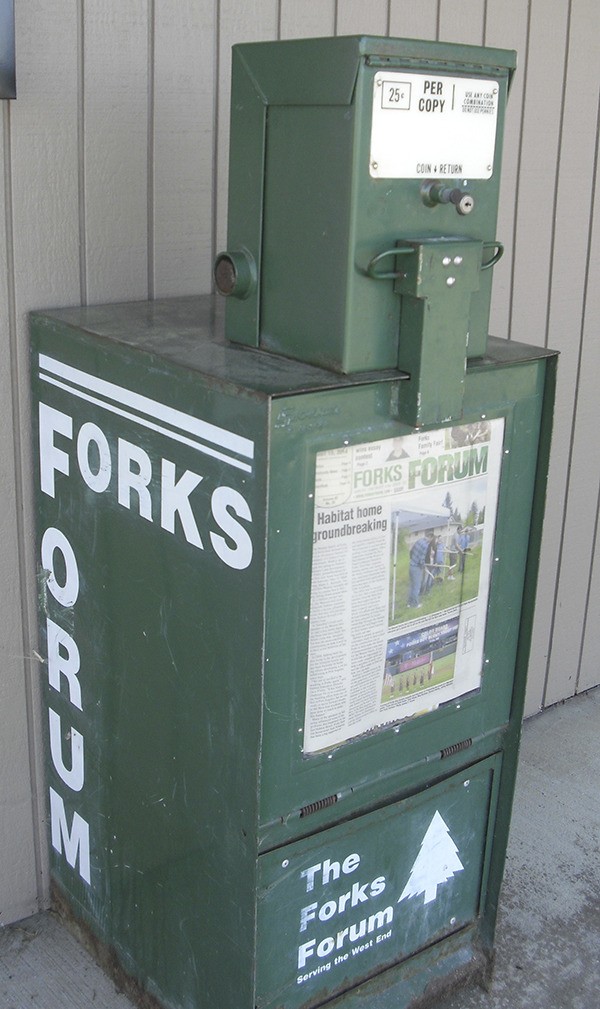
287 557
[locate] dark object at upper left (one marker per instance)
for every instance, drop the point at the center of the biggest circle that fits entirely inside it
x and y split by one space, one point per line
8 87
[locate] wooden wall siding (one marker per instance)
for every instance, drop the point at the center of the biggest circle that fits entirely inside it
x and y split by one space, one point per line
181 148
572 488
114 186
18 831
585 463
114 139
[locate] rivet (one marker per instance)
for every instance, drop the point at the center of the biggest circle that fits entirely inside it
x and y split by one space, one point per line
374 165
451 281
457 260
446 260
285 863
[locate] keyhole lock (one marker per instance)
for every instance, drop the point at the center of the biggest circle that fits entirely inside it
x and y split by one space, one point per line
433 193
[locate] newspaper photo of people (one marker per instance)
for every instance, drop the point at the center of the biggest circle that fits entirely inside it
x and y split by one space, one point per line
402 550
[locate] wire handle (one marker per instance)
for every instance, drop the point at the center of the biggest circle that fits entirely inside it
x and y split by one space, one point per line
396 251
372 271
498 246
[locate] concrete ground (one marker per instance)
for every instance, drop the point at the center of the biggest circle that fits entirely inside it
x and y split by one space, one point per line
548 940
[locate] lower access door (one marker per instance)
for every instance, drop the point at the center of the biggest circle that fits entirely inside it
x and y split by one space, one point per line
349 902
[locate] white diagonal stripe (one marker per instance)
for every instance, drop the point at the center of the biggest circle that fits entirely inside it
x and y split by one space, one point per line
83 383
174 435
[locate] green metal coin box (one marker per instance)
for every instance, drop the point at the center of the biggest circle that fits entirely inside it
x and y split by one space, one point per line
348 156
276 777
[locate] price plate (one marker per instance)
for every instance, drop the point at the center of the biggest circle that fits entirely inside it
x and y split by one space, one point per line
431 126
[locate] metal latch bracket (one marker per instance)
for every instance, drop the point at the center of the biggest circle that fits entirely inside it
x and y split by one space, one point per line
436 280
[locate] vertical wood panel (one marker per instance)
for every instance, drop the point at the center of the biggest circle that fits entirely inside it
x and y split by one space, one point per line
507 25
42 168
45 157
587 419
18 884
182 150
411 19
587 437
461 22
115 63
355 17
253 22
534 232
306 20
538 169
580 358
536 308
584 485
506 28
589 669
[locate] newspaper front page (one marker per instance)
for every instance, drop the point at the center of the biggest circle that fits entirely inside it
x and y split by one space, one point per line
402 555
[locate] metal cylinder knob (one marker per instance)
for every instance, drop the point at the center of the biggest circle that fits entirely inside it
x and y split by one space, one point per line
235 274
433 193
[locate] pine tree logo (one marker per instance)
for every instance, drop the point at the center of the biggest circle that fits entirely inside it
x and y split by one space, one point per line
435 864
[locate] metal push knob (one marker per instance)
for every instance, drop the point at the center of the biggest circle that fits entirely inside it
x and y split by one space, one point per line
433 193
235 273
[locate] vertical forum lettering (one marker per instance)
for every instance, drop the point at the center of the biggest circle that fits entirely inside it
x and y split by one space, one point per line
183 504
62 581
